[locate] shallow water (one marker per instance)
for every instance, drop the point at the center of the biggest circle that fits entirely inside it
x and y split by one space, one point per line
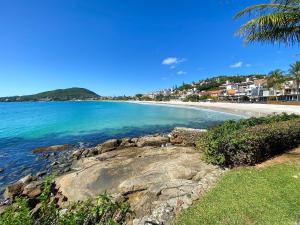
25 126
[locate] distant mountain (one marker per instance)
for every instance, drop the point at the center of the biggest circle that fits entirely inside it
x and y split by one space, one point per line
55 95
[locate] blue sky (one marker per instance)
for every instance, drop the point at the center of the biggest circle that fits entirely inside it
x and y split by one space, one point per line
117 47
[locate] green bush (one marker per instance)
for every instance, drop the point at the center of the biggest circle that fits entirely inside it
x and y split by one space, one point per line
103 210
250 141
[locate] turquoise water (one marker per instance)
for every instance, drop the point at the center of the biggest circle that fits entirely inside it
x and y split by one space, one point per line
25 126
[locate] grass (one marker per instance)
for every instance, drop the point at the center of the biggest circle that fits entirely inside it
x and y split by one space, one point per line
260 196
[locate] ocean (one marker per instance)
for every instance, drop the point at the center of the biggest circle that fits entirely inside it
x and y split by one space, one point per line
28 125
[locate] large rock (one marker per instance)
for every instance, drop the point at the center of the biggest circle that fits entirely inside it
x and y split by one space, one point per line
51 148
186 136
13 190
157 141
157 181
109 145
17 188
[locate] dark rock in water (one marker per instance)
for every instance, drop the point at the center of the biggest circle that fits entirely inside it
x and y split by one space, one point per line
109 145
1 170
157 141
41 173
51 148
27 179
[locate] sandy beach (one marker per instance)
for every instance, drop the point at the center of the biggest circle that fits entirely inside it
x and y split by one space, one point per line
245 109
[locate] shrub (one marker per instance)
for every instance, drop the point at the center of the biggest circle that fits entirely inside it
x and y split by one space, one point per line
103 210
250 141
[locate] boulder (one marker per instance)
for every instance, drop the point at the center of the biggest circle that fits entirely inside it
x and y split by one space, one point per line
77 153
26 180
14 190
109 145
51 148
156 141
185 136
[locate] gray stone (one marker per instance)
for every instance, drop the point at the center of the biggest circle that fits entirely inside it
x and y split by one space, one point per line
14 190
27 179
77 153
157 141
185 136
109 145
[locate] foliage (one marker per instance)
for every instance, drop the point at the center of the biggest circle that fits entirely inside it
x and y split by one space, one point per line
276 22
18 214
295 74
56 95
249 196
101 211
162 98
104 211
250 140
196 98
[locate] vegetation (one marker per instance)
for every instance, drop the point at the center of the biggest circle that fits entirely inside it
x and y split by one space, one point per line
196 98
56 95
275 80
250 196
276 22
214 83
295 74
250 141
102 211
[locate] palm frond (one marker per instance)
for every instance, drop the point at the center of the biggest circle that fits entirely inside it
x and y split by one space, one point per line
258 10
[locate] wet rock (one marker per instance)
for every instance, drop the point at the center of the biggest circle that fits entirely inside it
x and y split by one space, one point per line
85 152
27 179
13 190
55 163
41 173
77 153
51 148
185 136
34 188
1 170
109 145
157 141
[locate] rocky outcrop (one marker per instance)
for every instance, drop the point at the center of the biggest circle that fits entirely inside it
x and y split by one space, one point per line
185 136
157 181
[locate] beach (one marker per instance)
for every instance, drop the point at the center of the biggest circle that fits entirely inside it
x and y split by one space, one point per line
245 109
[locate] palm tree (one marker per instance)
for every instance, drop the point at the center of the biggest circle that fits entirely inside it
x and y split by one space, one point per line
276 22
295 72
275 80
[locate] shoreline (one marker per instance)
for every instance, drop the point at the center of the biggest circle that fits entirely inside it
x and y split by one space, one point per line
242 109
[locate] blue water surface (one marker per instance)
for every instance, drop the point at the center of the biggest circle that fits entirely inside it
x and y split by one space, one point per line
28 125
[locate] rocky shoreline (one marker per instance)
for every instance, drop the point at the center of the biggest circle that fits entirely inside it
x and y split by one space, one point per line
159 175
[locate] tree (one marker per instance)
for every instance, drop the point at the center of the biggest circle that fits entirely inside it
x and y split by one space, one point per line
276 22
295 73
275 80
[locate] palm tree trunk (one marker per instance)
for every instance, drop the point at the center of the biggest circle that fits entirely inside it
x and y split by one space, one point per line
297 90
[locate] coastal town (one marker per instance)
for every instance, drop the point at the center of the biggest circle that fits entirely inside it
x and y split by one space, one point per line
253 88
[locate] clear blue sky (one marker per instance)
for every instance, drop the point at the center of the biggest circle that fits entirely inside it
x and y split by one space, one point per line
117 47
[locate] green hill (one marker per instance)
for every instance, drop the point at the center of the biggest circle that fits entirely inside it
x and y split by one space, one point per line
55 95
